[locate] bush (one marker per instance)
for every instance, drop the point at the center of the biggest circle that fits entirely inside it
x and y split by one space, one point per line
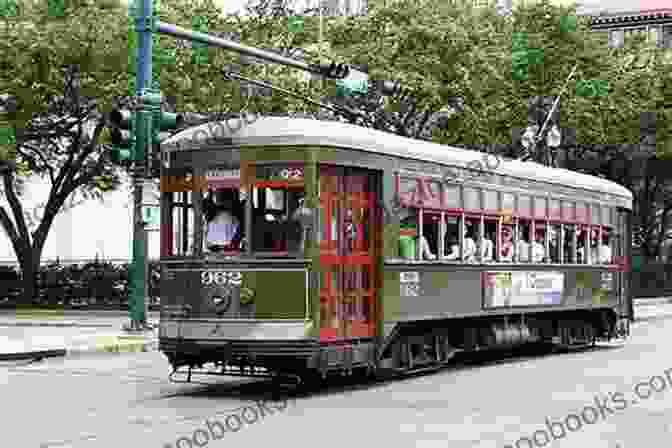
100 284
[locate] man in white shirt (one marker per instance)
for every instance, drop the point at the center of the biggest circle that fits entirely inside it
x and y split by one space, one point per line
485 246
538 247
604 253
522 248
469 249
223 230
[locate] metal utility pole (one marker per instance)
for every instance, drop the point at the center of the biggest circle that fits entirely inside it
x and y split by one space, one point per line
145 103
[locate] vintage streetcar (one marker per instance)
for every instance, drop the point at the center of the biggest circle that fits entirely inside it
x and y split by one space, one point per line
298 248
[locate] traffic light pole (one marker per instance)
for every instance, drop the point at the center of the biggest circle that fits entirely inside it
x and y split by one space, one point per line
143 126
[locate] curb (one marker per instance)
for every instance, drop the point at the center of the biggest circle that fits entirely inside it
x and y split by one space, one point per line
652 301
54 324
66 324
98 349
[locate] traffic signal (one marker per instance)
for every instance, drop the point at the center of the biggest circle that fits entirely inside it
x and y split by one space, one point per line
161 122
390 88
122 136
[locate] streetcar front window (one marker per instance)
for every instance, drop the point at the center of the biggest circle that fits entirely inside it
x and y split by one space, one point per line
279 221
224 217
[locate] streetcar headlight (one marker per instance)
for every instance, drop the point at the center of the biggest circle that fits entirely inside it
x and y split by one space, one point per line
217 300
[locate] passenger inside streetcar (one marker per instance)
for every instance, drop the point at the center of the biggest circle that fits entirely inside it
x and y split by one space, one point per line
581 237
569 248
453 246
470 249
451 239
523 247
555 242
605 253
506 250
600 252
539 246
223 215
485 245
408 250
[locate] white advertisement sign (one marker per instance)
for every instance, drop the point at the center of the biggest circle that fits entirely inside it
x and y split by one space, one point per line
523 288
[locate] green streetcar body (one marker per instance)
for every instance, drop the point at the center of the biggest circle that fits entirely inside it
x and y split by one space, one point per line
270 307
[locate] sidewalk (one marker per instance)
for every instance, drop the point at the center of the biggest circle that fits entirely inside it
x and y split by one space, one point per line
38 334
77 346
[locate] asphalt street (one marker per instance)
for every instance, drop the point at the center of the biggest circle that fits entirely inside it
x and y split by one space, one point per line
128 401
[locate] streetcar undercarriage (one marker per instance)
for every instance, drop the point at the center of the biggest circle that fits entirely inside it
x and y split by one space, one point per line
412 346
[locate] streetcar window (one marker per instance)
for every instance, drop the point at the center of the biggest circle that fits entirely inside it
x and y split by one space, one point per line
522 243
506 249
605 254
538 244
430 235
416 241
488 245
570 243
451 240
279 220
224 221
469 249
582 241
598 252
182 223
555 243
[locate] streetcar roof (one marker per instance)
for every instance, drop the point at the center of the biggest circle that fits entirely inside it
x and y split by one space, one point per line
269 131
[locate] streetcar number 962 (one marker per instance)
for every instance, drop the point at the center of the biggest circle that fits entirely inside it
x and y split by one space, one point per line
221 278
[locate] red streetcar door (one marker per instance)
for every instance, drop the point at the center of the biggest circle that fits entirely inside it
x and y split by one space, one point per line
348 253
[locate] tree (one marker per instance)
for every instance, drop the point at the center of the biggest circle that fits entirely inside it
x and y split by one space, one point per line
62 75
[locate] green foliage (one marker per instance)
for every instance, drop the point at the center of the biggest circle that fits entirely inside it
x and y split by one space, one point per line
8 8
295 24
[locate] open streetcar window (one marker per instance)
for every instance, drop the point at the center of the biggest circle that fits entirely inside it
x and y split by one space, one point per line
452 238
224 215
418 235
555 243
522 241
277 220
269 220
429 249
280 220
